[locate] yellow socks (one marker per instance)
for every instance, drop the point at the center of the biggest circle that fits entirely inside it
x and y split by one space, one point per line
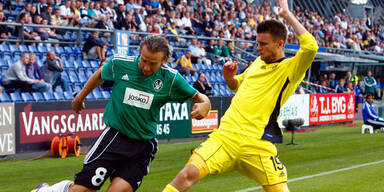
170 188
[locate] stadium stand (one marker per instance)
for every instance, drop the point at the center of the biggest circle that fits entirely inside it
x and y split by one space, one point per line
338 29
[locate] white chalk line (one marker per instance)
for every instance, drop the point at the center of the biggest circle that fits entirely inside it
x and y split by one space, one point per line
319 174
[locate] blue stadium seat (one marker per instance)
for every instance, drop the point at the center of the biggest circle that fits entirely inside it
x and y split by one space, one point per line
229 93
106 94
188 78
76 50
68 95
216 93
59 95
4 50
214 67
77 88
209 67
24 49
68 50
82 77
89 73
97 94
3 64
73 78
4 97
90 96
14 49
215 86
69 64
38 96
27 97
16 97
49 96
42 49
77 64
33 49
94 64
59 51
222 92
50 48
85 64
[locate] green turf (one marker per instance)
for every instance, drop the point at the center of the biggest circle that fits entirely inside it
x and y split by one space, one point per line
331 148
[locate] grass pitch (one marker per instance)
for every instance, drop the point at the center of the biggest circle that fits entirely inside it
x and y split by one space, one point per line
330 148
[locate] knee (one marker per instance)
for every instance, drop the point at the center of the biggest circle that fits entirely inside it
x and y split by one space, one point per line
187 177
190 174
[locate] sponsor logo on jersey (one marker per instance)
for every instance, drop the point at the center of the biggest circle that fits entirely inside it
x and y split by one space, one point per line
125 77
158 84
138 98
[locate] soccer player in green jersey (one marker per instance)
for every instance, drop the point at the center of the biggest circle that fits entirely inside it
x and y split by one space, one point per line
142 85
248 130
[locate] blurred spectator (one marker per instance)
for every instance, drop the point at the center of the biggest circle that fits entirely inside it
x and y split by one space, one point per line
94 48
52 70
33 11
129 23
41 6
187 24
17 78
120 13
228 50
28 32
370 83
359 93
349 87
203 54
5 31
33 72
112 11
47 14
354 77
332 80
202 84
323 89
369 114
56 18
195 51
45 32
184 64
105 23
25 11
378 87
340 86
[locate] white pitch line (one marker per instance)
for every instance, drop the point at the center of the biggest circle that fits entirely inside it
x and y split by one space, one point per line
319 174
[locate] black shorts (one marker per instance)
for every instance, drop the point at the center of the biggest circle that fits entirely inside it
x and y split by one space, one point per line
116 155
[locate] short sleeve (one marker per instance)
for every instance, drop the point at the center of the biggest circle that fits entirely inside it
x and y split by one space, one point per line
107 72
181 90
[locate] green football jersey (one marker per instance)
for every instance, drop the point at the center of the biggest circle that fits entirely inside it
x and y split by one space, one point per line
136 99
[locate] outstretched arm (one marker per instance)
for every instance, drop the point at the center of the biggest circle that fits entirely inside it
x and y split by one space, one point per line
290 18
92 83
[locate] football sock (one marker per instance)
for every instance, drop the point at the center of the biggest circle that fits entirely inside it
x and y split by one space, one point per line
62 186
170 188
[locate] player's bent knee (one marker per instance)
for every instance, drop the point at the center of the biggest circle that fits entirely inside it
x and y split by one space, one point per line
200 164
280 187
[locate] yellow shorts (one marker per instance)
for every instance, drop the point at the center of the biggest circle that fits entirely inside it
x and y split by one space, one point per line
257 159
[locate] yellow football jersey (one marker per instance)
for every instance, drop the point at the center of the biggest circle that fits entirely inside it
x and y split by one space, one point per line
262 90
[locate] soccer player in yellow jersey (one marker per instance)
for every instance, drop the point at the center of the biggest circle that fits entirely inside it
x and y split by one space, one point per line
248 130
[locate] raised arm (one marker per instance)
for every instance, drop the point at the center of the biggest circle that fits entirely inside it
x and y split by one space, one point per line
290 18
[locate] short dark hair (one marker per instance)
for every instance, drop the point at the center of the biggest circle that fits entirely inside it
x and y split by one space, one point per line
156 43
273 27
368 95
